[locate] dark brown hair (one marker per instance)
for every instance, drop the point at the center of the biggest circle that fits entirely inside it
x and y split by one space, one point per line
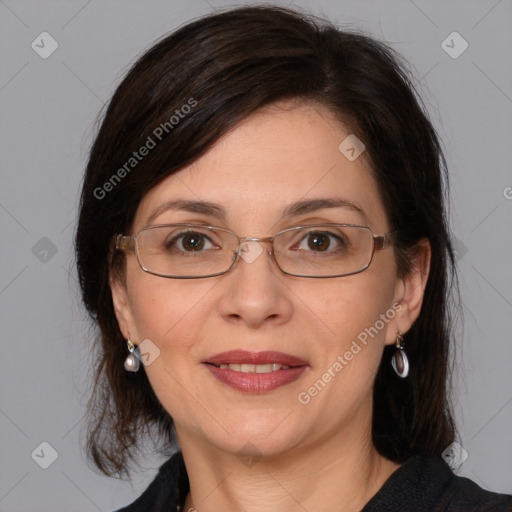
226 66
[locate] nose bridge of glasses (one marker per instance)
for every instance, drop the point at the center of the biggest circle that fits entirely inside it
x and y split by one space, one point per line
242 243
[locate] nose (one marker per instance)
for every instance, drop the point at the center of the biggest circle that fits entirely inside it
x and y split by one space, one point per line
255 293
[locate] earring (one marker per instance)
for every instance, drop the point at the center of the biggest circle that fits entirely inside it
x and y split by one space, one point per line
131 363
399 361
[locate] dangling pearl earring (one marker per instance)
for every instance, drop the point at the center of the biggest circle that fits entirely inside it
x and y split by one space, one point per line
399 361
131 363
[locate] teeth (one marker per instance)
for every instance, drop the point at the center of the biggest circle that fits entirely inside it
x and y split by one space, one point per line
254 368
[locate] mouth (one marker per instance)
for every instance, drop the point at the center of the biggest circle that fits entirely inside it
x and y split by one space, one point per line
255 372
254 368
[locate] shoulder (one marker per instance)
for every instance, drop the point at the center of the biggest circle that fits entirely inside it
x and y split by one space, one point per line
167 490
428 484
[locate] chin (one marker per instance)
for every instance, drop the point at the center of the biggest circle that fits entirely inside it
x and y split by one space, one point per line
251 436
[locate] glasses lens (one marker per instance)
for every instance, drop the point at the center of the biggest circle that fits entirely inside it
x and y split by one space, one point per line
181 250
324 250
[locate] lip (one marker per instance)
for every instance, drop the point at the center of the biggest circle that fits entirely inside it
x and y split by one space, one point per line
244 357
256 382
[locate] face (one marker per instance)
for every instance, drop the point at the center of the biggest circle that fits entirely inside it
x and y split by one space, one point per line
276 157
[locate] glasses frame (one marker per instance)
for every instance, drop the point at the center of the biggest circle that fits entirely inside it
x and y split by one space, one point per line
128 243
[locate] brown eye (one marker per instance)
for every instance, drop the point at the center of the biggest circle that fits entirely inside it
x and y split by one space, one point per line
192 242
322 241
318 241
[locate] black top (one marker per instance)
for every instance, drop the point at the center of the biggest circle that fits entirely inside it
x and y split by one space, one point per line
422 484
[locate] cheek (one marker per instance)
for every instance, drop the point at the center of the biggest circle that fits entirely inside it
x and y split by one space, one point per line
355 305
168 311
171 314
357 312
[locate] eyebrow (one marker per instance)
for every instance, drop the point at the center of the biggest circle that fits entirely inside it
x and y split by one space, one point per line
311 205
293 210
186 205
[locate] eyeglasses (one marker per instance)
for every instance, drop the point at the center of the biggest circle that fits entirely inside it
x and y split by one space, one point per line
190 251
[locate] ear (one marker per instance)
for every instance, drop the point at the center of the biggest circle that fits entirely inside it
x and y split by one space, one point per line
122 307
409 292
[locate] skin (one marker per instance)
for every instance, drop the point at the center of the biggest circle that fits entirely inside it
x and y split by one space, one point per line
317 456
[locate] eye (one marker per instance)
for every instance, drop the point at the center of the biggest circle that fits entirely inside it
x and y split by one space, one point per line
321 241
191 241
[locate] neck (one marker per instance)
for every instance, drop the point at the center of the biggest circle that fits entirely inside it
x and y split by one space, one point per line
334 474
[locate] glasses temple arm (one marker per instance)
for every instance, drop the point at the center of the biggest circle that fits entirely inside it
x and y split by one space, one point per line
383 241
125 243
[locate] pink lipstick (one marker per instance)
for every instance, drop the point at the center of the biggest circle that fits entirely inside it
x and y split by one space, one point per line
255 372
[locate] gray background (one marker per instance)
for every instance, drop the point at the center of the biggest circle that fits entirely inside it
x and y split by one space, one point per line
48 107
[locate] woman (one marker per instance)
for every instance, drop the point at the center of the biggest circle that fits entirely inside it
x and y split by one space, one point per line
262 226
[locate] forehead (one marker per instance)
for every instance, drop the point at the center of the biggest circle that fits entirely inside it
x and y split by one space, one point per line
275 157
